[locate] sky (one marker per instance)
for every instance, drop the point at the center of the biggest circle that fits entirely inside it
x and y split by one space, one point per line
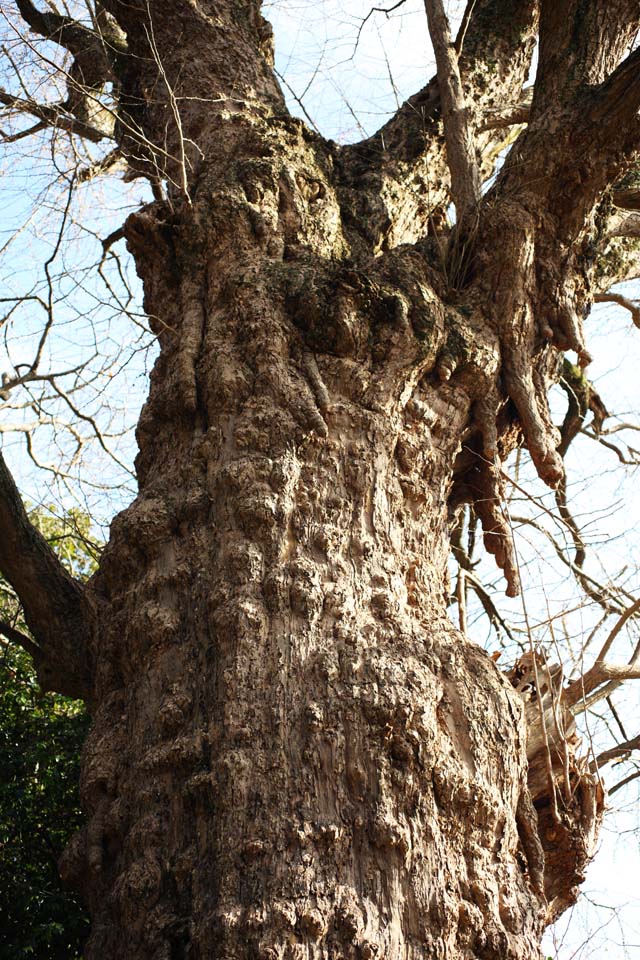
350 73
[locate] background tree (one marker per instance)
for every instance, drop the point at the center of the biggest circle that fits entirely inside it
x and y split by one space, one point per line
40 740
292 751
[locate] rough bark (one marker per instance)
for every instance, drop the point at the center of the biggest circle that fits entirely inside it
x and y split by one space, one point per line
294 754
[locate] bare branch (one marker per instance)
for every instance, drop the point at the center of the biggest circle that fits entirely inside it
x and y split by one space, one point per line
54 115
628 613
610 673
627 199
87 46
630 459
21 640
510 116
590 36
408 150
461 150
624 225
63 30
615 753
110 163
601 672
623 783
630 305
21 134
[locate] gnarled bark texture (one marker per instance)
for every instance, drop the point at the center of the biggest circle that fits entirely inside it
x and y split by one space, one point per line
294 754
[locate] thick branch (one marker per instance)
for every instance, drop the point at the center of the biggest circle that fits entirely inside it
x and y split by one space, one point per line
461 150
624 225
50 25
173 110
581 42
618 261
598 674
508 116
404 164
618 99
55 605
54 116
627 199
545 209
621 750
21 640
68 33
93 52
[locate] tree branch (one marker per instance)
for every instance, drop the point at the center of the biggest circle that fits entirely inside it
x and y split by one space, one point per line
624 225
406 157
168 120
93 52
627 199
75 37
623 783
631 611
581 42
54 116
46 24
56 607
630 305
510 116
458 134
582 399
598 674
618 99
620 750
602 672
21 640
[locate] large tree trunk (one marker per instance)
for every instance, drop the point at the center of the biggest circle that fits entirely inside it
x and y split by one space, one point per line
294 754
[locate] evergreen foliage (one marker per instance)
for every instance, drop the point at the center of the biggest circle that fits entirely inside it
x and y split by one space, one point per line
40 740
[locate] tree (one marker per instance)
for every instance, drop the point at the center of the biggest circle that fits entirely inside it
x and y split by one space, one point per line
40 740
293 753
